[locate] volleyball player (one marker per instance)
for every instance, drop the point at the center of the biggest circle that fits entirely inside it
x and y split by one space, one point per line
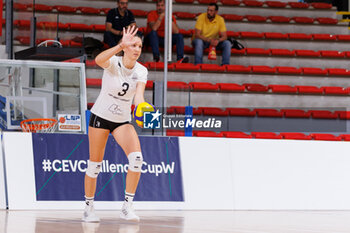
123 80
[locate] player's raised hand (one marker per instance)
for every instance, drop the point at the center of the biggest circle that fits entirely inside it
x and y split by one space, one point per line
128 36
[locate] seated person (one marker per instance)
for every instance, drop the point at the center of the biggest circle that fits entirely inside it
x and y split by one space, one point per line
117 19
210 29
155 31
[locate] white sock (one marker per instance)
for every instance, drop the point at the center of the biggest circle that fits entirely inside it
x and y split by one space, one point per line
129 197
89 201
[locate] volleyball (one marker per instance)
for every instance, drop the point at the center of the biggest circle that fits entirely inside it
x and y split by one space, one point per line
139 110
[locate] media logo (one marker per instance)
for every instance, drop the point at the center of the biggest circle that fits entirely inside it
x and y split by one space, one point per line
151 120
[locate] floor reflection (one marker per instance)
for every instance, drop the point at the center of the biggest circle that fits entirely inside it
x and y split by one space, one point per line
178 222
154 224
90 227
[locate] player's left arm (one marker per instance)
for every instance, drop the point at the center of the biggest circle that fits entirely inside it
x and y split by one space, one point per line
103 58
139 95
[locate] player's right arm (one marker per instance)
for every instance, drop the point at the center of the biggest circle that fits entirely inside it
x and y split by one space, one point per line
102 59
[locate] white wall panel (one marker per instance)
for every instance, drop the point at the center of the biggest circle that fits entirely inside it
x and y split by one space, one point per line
20 170
2 179
221 173
206 172
290 174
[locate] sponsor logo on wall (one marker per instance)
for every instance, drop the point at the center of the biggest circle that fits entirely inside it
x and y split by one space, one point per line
69 122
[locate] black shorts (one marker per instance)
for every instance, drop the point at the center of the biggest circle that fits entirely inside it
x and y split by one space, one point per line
100 123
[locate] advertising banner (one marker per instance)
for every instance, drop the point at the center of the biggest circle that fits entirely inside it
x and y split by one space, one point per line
61 160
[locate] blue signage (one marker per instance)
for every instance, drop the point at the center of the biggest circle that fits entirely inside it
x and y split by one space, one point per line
60 163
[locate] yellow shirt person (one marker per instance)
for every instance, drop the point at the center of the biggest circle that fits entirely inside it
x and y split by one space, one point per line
211 30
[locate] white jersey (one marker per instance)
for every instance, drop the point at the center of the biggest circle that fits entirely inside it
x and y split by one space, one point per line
118 90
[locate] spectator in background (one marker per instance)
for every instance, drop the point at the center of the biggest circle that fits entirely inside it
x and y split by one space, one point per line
117 19
155 31
210 29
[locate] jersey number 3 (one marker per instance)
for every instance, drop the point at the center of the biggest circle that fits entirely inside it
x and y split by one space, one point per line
125 89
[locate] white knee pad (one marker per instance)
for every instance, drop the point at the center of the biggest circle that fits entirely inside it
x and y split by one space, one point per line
135 161
93 169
